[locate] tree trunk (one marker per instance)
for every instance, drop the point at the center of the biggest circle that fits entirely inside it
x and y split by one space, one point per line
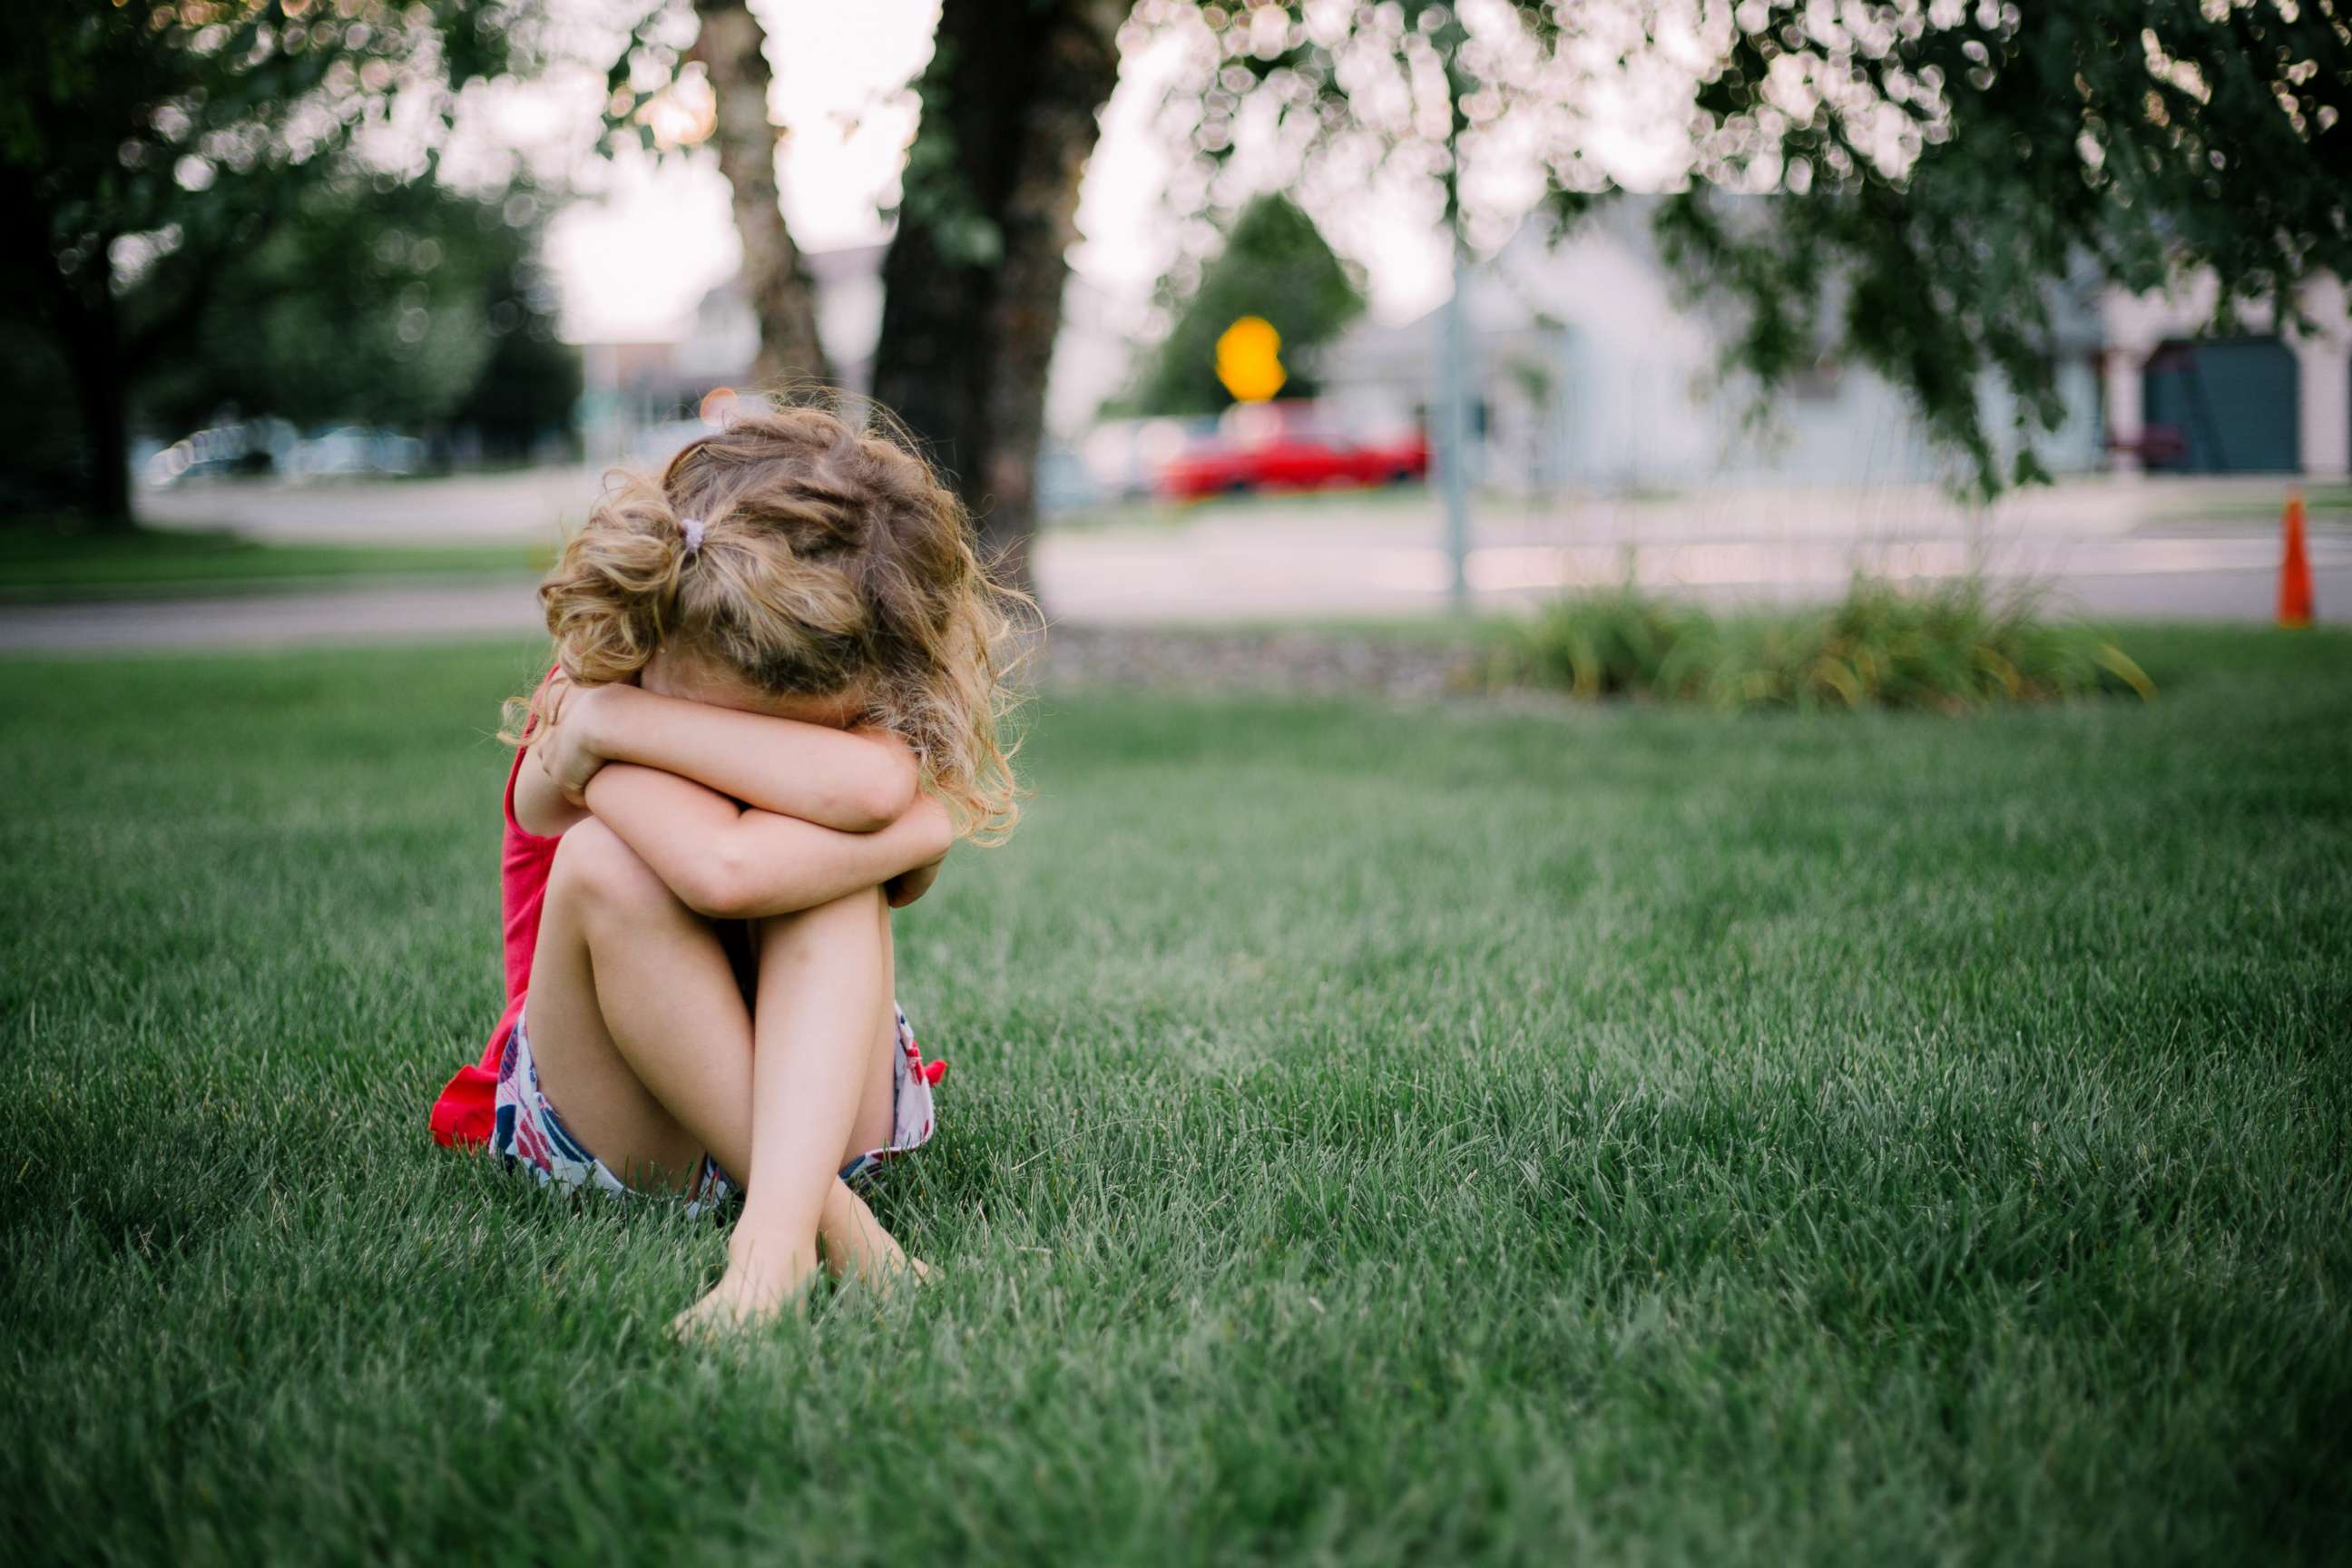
973 279
78 310
92 335
782 298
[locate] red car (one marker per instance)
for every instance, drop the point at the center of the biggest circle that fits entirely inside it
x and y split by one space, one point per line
1289 446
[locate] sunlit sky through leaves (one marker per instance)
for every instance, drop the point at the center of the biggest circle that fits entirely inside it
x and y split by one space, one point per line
652 235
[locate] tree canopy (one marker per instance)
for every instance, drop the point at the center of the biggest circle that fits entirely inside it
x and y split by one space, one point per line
388 306
1931 165
151 149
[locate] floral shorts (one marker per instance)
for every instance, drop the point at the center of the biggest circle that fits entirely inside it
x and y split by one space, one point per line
527 1131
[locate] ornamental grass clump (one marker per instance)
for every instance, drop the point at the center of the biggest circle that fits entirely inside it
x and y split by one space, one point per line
1610 642
1951 647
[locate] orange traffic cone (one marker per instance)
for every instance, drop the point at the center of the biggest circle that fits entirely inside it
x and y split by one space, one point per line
2295 572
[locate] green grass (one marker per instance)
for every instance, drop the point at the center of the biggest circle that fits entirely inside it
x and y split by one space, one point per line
2325 505
48 562
1375 1136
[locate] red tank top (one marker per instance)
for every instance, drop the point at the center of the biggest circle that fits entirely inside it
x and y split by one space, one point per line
463 1113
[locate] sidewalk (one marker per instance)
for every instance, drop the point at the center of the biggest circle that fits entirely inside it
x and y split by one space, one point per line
411 613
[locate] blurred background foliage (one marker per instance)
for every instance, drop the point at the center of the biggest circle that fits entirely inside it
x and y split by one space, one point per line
1275 265
204 199
403 305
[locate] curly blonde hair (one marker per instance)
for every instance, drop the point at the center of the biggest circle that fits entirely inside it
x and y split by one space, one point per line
831 559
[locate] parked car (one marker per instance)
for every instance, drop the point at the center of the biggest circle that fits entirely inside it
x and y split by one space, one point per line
1063 483
1123 458
254 447
350 450
246 448
1291 446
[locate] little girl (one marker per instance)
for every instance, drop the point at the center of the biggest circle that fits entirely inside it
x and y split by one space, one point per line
776 706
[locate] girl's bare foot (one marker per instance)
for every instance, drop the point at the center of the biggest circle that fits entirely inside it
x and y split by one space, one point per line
758 1287
887 1279
858 1249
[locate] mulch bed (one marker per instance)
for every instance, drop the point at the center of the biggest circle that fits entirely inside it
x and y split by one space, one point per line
1301 662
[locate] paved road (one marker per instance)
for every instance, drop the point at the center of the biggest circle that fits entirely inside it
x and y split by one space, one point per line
2197 551
413 612
536 504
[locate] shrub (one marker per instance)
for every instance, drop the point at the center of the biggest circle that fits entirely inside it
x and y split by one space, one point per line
1951 647
1605 644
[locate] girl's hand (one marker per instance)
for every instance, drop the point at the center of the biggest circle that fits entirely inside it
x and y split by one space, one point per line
566 742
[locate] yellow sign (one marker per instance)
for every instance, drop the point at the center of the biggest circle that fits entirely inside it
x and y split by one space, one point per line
1249 360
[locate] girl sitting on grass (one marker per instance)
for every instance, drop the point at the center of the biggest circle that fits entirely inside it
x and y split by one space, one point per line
776 706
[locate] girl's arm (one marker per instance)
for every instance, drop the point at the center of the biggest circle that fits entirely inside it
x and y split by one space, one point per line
542 804
727 863
852 780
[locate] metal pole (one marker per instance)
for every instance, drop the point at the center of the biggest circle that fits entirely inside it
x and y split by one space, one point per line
1452 393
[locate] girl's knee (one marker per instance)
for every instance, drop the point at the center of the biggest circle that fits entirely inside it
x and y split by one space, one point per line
854 916
593 866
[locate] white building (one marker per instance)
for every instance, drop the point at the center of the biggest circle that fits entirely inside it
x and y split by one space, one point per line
1595 375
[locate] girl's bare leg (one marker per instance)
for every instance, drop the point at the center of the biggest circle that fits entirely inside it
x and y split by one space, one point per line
823 996
642 1037
644 1040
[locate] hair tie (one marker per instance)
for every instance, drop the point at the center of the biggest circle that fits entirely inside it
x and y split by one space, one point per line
691 527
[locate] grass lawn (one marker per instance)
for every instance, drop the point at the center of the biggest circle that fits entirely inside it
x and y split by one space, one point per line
43 562
2325 504
1374 1136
